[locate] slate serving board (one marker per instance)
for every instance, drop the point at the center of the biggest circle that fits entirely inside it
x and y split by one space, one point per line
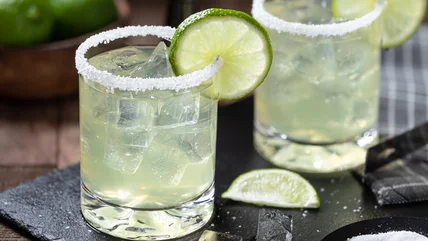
344 199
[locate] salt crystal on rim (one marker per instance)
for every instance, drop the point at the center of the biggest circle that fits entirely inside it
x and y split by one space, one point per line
312 30
138 84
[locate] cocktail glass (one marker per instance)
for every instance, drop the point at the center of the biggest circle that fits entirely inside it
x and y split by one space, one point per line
148 139
317 109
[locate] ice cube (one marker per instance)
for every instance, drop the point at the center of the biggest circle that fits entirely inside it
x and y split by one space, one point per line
199 144
353 58
122 158
120 61
316 63
105 109
136 113
165 164
274 225
135 123
130 57
156 66
137 136
179 111
208 235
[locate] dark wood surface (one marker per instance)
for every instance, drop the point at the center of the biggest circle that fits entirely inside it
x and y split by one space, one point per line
38 137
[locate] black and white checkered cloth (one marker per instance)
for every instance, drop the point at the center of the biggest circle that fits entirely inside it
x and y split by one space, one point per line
403 105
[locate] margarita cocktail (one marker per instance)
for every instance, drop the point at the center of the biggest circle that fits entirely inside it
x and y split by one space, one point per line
148 120
147 141
317 109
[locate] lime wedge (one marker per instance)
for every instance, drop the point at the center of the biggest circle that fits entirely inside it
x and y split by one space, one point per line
400 19
241 42
273 187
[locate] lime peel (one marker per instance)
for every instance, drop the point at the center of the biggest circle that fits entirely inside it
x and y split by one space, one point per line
196 42
400 19
273 187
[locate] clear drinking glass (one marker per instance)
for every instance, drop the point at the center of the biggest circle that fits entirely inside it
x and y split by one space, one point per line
147 144
317 109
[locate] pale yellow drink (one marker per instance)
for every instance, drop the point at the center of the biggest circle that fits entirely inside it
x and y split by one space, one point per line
135 160
321 93
147 157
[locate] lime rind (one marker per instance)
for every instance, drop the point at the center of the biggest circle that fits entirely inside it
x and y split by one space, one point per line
408 35
400 19
229 88
275 198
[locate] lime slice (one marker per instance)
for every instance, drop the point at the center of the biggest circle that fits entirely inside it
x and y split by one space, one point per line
400 19
241 42
273 187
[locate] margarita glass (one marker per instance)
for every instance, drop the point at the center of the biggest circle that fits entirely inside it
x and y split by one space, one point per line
317 109
148 139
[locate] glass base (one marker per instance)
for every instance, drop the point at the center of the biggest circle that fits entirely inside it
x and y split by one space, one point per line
140 224
301 157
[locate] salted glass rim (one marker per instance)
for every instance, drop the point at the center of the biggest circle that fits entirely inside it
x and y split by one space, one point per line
112 81
313 30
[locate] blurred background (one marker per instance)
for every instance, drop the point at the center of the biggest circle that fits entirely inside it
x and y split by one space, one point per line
38 82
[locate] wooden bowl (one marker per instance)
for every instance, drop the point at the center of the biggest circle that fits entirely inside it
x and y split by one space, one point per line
48 70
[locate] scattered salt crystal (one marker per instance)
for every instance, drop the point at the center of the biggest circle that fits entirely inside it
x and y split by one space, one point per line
112 82
5 203
345 207
337 202
312 30
334 192
391 236
227 212
212 225
375 206
318 231
358 210
239 226
233 217
322 189
67 227
332 180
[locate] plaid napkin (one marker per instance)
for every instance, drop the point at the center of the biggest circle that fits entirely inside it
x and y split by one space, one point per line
403 105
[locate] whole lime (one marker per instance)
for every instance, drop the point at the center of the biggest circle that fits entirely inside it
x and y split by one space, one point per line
77 17
25 22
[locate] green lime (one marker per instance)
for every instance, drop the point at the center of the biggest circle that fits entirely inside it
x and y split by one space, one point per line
241 42
25 22
273 187
77 17
400 19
